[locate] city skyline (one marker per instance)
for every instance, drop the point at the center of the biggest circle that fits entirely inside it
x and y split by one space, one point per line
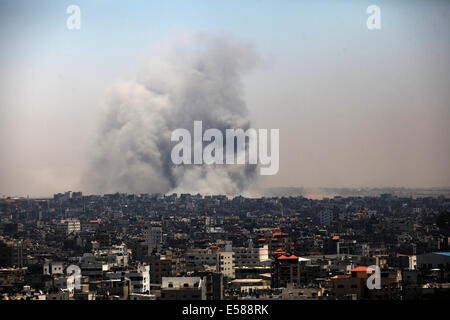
188 247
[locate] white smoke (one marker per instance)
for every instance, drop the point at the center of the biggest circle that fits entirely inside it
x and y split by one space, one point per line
198 78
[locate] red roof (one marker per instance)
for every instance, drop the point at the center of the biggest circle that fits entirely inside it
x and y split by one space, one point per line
213 247
93 221
291 257
262 239
280 234
274 239
276 229
278 252
336 238
362 269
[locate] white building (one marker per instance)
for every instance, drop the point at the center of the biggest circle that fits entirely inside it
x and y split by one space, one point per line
202 257
183 288
52 268
250 256
140 279
69 226
225 263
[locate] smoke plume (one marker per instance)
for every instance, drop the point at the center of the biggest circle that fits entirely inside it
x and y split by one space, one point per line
199 78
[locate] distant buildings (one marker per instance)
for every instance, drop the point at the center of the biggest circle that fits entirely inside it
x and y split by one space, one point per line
225 263
285 270
183 288
145 247
250 256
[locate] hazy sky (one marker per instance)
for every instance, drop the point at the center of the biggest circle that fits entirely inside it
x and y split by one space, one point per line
355 107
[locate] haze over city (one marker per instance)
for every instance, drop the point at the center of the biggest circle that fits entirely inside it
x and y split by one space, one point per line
355 107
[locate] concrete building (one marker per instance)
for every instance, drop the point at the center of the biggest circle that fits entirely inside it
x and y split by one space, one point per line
434 260
153 237
326 217
225 263
354 285
183 288
159 268
140 279
285 270
250 256
69 226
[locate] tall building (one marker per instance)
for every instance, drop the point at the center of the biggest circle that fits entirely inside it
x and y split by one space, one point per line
69 226
225 263
331 245
285 270
213 284
159 268
276 240
51 268
200 257
11 254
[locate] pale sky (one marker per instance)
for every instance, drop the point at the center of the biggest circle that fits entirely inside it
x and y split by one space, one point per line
355 107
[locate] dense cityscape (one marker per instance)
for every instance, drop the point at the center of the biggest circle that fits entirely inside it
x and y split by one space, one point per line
194 247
